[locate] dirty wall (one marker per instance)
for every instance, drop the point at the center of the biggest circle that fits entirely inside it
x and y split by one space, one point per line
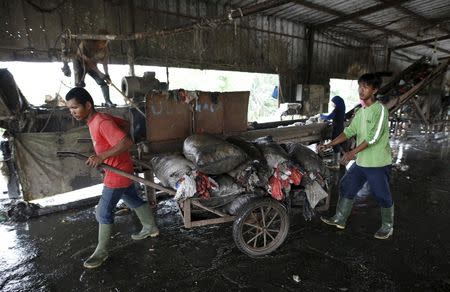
42 173
31 31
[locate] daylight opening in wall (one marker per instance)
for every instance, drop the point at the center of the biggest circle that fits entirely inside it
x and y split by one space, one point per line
45 81
347 89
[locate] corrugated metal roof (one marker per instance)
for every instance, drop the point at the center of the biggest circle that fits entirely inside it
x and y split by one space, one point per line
299 14
386 17
345 6
406 22
414 20
430 9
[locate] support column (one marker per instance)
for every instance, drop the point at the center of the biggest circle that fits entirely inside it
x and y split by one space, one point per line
387 63
309 54
149 191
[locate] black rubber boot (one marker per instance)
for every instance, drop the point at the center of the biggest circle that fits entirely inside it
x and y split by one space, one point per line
66 70
343 209
387 223
105 91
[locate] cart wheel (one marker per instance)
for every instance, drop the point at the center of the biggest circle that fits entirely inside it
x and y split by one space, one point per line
261 227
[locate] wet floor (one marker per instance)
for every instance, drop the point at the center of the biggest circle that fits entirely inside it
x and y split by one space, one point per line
46 253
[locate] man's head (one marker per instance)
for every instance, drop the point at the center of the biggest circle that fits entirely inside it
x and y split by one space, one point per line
80 103
369 84
101 44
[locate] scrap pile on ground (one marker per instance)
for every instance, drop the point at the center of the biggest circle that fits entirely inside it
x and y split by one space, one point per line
227 173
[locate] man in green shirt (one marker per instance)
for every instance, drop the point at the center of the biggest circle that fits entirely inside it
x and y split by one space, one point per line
373 158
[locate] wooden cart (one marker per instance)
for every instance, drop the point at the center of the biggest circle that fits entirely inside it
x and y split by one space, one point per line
259 227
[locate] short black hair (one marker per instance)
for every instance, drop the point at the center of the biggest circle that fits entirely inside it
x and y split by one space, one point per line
373 79
80 94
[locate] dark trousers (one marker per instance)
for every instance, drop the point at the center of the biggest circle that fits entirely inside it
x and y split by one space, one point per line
110 197
378 179
80 72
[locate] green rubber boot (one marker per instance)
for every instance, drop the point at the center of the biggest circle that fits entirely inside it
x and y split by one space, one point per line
149 228
101 252
387 223
343 209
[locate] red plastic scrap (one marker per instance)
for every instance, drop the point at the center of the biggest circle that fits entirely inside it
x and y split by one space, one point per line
296 176
183 95
275 188
204 185
277 184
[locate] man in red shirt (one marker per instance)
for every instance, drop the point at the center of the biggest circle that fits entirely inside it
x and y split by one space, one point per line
111 144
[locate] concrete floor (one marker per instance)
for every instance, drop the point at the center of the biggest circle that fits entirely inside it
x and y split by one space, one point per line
46 253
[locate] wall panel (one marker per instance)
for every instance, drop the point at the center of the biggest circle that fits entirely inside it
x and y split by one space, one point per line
260 43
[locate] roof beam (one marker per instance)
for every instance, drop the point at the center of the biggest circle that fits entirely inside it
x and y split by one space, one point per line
203 23
259 7
281 9
441 38
363 22
433 22
359 13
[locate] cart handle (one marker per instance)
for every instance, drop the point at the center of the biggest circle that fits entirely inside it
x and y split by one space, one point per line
118 171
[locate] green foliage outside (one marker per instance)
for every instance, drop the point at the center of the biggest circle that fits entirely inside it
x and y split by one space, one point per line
36 86
262 106
347 89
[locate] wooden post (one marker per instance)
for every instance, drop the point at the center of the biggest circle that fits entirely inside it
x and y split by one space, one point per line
187 213
149 191
387 64
419 111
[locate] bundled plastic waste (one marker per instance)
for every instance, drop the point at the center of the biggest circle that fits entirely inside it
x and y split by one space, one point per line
186 187
314 180
175 171
204 185
212 155
254 172
227 174
310 162
170 168
233 207
281 181
274 154
285 172
315 193
195 183
246 175
227 191
306 158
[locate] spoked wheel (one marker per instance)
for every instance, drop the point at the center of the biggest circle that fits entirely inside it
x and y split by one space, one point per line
261 227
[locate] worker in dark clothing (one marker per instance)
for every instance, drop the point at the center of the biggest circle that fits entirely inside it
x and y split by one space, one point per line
88 54
338 118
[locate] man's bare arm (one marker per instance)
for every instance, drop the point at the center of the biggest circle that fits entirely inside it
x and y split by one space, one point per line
124 145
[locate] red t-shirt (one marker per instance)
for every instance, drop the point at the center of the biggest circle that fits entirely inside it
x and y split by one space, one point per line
106 131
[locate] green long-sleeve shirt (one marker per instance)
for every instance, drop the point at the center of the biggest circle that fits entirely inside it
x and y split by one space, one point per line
371 124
